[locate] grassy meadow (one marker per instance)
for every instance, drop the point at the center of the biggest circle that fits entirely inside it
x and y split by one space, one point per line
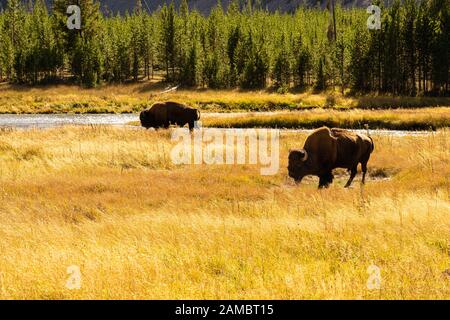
398 119
110 201
132 98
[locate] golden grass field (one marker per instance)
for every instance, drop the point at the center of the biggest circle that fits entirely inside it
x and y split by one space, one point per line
397 119
110 201
126 98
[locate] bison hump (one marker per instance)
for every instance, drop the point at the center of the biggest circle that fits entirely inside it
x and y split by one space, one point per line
321 145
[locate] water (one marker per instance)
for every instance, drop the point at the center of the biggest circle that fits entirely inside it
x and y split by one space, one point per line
43 121
374 132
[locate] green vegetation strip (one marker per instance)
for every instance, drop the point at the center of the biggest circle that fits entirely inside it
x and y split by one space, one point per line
97 107
391 120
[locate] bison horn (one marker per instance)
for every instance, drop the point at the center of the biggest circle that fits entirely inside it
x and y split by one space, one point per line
305 155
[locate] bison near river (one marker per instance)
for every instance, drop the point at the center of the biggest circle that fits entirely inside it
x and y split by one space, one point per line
163 114
326 149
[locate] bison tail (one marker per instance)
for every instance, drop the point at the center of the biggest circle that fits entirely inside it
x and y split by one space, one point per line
198 115
373 145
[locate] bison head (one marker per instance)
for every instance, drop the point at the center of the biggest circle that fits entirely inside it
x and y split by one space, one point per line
298 164
147 119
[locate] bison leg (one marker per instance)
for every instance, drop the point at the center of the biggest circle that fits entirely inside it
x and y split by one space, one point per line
364 171
322 182
364 167
352 176
191 126
325 180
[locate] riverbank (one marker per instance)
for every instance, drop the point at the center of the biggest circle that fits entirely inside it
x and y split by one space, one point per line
404 120
399 119
132 98
425 119
110 201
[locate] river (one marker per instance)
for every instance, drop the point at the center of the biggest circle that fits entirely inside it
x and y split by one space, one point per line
43 121
25 121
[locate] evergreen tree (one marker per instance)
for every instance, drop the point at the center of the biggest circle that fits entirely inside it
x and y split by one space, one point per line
82 47
191 69
168 41
15 47
282 68
254 65
321 81
358 62
423 35
234 39
440 56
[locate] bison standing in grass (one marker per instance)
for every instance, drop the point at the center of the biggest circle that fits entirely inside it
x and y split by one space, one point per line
163 114
326 149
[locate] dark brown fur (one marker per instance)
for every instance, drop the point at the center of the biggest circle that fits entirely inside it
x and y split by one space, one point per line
327 149
163 114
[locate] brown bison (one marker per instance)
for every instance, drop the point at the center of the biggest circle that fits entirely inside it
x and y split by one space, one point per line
326 149
163 114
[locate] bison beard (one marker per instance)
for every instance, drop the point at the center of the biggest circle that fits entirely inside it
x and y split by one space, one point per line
162 115
325 150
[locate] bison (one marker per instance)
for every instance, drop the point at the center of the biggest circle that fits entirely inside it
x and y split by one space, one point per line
163 114
326 149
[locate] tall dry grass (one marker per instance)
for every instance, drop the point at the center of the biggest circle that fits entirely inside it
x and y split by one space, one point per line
110 201
399 119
